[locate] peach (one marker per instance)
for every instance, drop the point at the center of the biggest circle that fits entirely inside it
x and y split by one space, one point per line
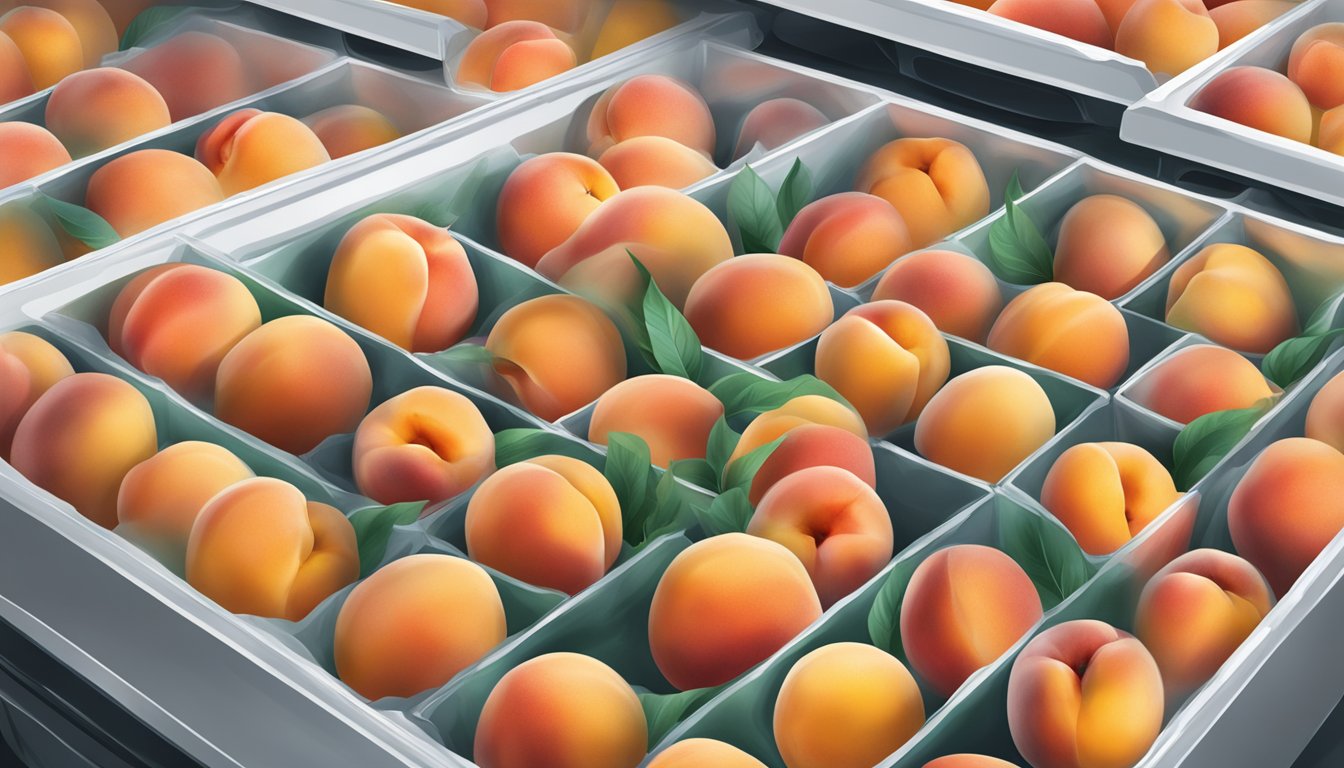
845 705
985 422
1083 693
655 160
1285 508
676 237
725 604
695 753
887 359
1105 493
565 15
848 237
29 366
1325 416
673 415
194 71
26 151
1331 135
956 291
816 512
1196 611
98 36
405 280
250 148
350 128
630 21
966 760
514 55
1115 10
651 105
1168 36
800 411
426 444
1076 333
95 109
1108 245
1201 379
15 80
776 122
161 497
1233 296
178 322
759 303
540 344
935 184
1238 19
814 445
446 607
30 245
1316 65
49 42
1259 98
294 382
552 521
148 187
544 201
470 13
260 548
80 438
964 607
1081 20
561 709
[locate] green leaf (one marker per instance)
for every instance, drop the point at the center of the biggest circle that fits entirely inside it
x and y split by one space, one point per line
628 469
373 528
1018 252
672 342
81 223
1294 358
664 516
445 214
741 472
1324 315
147 21
1014 189
696 472
794 194
663 711
751 206
1047 552
523 443
723 441
884 618
1206 440
464 353
729 512
744 393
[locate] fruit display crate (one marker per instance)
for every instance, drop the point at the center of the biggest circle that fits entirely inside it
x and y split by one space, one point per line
1166 120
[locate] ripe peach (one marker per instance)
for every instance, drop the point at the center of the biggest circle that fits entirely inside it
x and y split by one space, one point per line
30 245
350 128
676 237
160 497
294 382
956 291
651 105
1080 20
814 445
260 548
674 416
1260 98
1201 379
514 55
1107 245
776 122
49 43
818 511
147 187
561 709
1105 493
446 607
935 184
544 201
985 422
28 150
177 322
1325 416
1285 508
964 607
1316 65
95 109
541 343
470 13
404 279
655 160
81 437
696 753
725 604
565 15
968 761
845 705
1083 693
194 71
250 148
1331 135
848 237
1234 296
887 359
630 21
1196 611
796 413
15 80
759 303
426 444
1168 36
1238 19
1076 333
29 366
97 34
552 521
1115 10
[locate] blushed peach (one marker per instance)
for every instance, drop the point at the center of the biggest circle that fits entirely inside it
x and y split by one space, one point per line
26 151
965 760
29 366
1330 137
1201 379
1325 416
776 122
1081 20
15 79
1168 36
544 201
470 13
1316 65
651 105
814 445
673 415
797 412
759 303
404 279
250 148
848 237
1259 98
956 291
725 604
935 184
654 160
95 109
696 753
1105 493
194 72
148 187
630 21
514 55
448 607
1239 19
349 128
97 34
1107 245
49 42
1234 296
985 422
1115 10
30 244
1076 333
